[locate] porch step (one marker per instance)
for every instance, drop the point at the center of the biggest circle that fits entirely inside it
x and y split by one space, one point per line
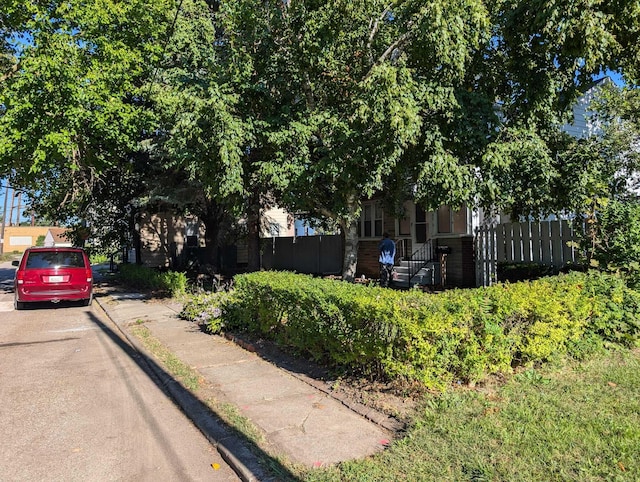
427 275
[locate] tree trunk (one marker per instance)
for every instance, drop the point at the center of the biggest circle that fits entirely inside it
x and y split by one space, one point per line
211 247
350 235
350 261
213 220
253 234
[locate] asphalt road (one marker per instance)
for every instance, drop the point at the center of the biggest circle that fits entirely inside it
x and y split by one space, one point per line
77 403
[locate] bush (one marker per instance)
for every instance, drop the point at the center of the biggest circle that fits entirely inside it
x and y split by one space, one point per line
206 309
140 277
613 238
435 339
98 258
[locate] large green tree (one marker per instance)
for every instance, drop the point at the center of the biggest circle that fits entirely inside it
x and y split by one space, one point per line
73 83
335 96
316 104
459 102
542 55
199 145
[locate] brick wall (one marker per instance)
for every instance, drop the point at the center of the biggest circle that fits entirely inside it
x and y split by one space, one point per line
368 259
460 262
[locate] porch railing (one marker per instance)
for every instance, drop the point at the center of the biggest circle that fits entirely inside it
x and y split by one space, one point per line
402 250
424 254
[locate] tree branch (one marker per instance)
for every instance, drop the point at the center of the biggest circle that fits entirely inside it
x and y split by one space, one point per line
14 68
375 29
395 45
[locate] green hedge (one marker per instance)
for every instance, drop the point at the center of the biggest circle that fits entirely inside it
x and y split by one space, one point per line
140 277
435 339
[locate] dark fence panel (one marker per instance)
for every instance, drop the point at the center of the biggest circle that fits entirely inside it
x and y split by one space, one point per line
304 254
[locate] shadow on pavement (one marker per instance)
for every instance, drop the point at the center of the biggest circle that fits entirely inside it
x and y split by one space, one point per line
6 279
240 452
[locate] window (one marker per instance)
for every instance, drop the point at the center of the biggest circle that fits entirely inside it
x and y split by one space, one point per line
20 241
370 224
55 259
274 230
452 221
422 226
404 224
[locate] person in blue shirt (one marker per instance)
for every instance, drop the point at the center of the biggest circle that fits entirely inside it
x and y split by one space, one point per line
387 249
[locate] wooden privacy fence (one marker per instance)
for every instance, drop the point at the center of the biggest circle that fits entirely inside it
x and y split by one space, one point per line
551 243
303 254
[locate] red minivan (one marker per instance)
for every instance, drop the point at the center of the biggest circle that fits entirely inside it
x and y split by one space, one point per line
53 274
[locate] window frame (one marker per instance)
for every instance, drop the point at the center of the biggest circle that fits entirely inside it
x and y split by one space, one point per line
453 221
376 216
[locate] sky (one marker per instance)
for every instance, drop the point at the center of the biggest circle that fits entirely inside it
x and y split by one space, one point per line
3 184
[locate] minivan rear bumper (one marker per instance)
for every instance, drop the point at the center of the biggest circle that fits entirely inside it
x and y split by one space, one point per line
68 294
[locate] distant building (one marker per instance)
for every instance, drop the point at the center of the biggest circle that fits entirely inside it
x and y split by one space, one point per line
56 237
18 238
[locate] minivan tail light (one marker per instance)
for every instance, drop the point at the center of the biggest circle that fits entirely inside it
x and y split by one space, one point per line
89 276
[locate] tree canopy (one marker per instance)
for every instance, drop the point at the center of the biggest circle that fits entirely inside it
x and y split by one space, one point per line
315 105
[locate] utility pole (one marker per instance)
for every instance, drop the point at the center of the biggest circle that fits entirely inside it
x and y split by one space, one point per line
13 198
18 213
4 218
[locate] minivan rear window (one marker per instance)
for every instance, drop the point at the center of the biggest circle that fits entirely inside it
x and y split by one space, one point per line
55 259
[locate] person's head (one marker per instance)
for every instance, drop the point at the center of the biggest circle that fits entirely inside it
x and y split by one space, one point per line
385 235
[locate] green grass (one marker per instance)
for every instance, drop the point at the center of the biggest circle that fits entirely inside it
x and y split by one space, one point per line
573 422
230 414
9 256
576 423
187 376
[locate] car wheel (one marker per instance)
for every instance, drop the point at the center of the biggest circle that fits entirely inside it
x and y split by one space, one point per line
18 305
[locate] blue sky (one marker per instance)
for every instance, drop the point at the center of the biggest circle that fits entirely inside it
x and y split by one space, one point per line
615 76
3 184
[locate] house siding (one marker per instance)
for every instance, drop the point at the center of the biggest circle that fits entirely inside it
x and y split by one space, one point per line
157 234
280 218
583 125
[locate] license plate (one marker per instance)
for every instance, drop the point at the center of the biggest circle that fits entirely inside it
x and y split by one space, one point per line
56 279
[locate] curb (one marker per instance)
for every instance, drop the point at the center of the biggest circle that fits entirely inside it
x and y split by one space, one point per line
186 405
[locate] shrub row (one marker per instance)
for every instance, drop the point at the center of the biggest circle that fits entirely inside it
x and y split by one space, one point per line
435 339
140 277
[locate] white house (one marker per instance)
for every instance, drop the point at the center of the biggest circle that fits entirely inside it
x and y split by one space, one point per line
56 237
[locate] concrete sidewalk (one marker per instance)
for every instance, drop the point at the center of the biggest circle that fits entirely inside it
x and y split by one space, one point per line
298 418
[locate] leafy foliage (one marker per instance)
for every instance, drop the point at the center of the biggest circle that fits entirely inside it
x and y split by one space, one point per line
313 105
615 238
436 339
206 309
173 283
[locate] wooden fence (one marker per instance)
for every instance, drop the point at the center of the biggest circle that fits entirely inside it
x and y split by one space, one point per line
303 254
551 243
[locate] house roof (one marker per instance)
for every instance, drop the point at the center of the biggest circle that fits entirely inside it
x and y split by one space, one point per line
58 235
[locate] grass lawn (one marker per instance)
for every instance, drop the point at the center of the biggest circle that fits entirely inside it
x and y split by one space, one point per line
576 422
573 422
9 256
